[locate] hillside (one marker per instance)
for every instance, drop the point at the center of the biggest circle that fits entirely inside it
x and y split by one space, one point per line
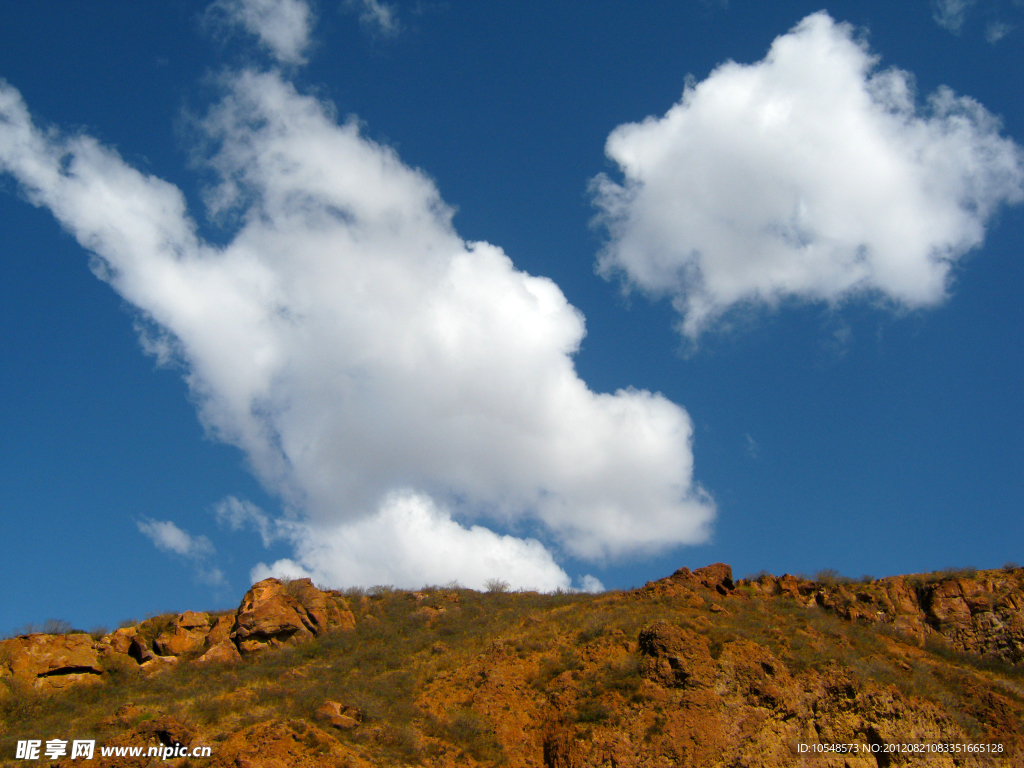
690 670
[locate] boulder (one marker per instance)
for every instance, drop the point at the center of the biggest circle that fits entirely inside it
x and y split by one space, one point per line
159 664
269 617
717 576
338 715
274 614
50 662
221 630
120 640
187 635
327 610
167 730
139 649
223 652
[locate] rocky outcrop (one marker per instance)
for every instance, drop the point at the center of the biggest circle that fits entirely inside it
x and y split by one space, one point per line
50 662
716 578
188 635
676 657
139 649
980 612
274 613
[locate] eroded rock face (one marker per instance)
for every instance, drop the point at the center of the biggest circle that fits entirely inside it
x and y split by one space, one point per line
223 652
716 577
139 649
50 662
274 614
188 635
676 657
737 704
734 679
271 614
220 631
982 614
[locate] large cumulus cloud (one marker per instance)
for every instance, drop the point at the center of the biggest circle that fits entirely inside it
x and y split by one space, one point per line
811 174
380 373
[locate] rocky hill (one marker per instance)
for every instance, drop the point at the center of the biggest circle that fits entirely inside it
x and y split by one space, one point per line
691 670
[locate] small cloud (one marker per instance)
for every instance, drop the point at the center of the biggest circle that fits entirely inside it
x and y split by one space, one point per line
949 14
997 30
753 449
282 26
591 584
376 17
236 515
282 569
170 538
213 577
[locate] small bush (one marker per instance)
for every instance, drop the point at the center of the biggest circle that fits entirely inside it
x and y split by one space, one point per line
591 711
957 573
497 585
590 633
473 733
830 577
550 668
625 675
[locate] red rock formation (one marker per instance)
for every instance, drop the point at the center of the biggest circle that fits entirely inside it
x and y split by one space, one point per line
51 662
273 613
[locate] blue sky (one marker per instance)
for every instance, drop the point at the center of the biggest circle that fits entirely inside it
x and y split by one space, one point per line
411 292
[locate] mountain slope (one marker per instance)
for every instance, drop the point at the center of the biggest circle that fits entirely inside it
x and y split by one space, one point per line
691 670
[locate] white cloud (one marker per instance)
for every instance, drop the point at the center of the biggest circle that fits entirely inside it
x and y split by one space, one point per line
409 542
810 174
168 537
353 345
378 17
950 14
236 515
282 26
753 449
997 30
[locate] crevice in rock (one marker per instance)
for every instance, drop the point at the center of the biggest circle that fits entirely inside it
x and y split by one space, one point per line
70 671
